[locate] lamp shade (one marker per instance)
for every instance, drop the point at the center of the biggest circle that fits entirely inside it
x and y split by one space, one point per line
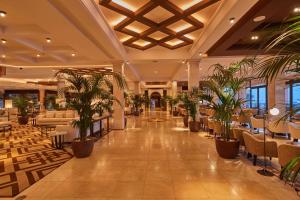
274 111
8 103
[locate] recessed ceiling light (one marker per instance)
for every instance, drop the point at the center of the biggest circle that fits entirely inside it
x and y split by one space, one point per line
232 20
3 41
48 40
254 37
297 10
3 56
2 14
259 18
73 54
183 62
38 55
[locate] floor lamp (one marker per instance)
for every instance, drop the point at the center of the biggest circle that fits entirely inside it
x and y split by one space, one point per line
8 104
264 171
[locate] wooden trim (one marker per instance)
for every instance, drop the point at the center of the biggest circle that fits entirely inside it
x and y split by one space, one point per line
138 16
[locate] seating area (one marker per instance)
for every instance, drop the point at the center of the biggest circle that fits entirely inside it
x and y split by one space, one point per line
149 99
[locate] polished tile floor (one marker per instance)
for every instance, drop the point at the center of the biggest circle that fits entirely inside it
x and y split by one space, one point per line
158 161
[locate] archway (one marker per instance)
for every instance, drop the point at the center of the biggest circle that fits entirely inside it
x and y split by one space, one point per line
155 98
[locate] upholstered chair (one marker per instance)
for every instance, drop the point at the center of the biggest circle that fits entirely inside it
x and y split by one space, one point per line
278 128
294 130
256 123
286 152
255 146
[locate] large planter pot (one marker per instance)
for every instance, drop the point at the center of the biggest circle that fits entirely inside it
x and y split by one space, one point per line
194 126
227 149
186 120
175 113
82 149
23 120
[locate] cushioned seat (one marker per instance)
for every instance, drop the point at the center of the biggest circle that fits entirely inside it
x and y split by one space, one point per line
286 152
56 117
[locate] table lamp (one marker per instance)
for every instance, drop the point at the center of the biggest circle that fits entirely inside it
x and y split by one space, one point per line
8 104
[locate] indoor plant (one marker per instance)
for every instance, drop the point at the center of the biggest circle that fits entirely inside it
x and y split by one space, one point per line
137 102
185 100
87 90
22 104
225 86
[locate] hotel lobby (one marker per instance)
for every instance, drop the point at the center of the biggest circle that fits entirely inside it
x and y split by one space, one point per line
149 99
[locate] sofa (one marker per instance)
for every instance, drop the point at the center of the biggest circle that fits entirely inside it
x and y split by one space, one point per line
255 146
56 117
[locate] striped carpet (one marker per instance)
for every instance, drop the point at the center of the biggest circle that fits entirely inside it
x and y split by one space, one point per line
25 158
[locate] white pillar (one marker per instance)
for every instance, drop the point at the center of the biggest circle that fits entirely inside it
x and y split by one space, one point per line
193 74
174 88
118 115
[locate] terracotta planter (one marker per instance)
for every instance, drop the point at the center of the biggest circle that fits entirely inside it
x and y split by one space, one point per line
175 113
136 113
83 149
23 120
186 120
227 149
194 126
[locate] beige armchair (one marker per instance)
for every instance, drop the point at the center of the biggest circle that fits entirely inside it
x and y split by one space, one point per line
255 146
256 123
278 128
286 152
294 130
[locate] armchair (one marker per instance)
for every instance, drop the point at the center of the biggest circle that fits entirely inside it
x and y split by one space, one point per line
286 152
280 128
255 146
256 123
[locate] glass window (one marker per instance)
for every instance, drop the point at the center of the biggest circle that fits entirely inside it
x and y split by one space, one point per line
257 98
292 93
296 95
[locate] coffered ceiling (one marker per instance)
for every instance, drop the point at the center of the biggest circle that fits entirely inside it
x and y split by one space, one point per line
144 24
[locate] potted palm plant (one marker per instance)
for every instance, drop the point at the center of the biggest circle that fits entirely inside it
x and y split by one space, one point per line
186 103
87 89
225 85
137 102
22 104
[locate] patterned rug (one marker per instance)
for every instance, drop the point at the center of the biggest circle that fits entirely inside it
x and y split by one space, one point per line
25 158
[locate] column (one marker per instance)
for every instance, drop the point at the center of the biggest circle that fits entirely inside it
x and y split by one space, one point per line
174 88
193 74
137 87
42 99
271 94
118 115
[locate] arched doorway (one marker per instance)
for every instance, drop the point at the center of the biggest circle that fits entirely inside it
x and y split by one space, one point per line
155 99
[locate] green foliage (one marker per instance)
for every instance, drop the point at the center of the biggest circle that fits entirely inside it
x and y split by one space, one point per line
225 85
92 94
286 46
22 104
291 170
173 101
137 101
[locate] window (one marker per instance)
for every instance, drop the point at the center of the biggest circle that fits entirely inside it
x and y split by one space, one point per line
257 97
292 93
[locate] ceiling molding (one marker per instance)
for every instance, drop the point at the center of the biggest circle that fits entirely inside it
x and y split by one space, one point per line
139 16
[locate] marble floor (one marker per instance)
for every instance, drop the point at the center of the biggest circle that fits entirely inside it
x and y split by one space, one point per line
157 161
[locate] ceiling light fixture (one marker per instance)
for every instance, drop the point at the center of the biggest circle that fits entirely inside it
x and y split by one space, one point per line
38 55
232 20
254 37
2 14
259 18
3 56
73 54
3 41
297 10
48 40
